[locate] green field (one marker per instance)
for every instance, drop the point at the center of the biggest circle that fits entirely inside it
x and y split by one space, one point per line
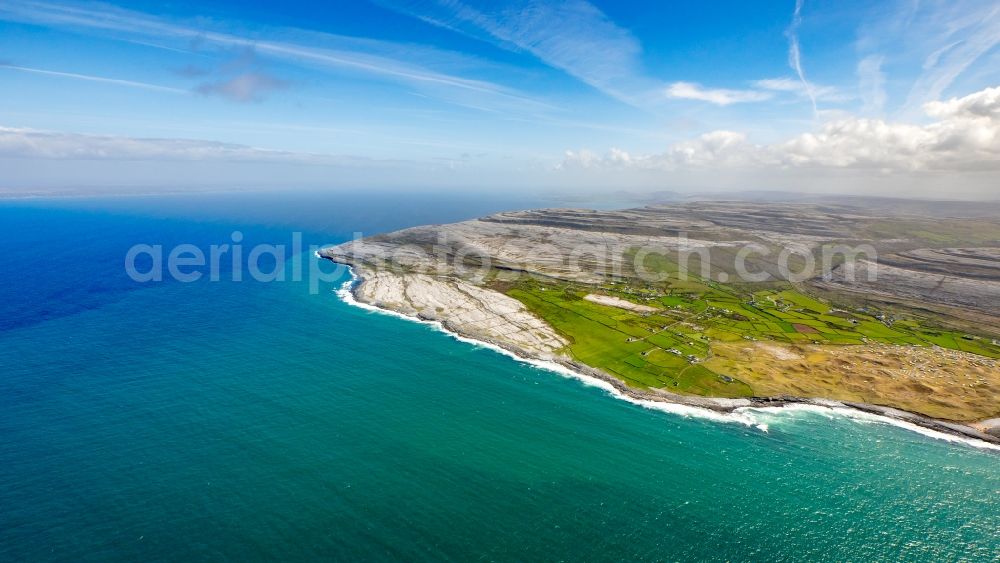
666 349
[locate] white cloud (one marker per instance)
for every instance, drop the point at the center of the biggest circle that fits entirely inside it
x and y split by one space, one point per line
796 87
763 90
781 84
33 143
245 87
718 96
964 137
871 84
981 104
573 35
967 34
714 149
416 66
932 44
726 148
586 44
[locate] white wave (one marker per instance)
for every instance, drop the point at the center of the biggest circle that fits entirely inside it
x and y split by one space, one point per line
746 416
346 295
863 417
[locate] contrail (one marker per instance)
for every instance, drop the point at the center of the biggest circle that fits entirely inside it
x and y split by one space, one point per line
794 56
119 82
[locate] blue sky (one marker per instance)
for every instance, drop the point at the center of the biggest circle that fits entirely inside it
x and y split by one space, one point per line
809 95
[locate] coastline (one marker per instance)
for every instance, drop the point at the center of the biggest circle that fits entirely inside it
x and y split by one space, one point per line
717 409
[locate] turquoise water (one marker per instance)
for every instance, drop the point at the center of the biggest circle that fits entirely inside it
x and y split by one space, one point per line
246 421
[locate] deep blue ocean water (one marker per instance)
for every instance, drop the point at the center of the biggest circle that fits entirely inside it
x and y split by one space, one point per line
246 421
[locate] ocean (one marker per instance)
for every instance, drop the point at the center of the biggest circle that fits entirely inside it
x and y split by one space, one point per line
243 420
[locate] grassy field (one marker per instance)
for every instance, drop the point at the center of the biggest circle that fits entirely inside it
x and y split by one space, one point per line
650 350
672 348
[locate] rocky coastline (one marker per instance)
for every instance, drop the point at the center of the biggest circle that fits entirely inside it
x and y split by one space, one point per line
494 319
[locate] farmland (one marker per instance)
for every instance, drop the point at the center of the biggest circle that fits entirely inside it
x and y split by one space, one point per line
689 344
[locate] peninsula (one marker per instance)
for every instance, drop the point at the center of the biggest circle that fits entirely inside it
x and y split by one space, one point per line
722 305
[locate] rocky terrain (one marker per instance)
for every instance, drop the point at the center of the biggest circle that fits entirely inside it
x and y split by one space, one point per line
949 265
945 270
464 308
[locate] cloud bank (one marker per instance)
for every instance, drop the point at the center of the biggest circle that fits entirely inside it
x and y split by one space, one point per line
36 144
964 136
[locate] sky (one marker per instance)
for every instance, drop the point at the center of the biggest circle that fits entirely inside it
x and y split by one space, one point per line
893 98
